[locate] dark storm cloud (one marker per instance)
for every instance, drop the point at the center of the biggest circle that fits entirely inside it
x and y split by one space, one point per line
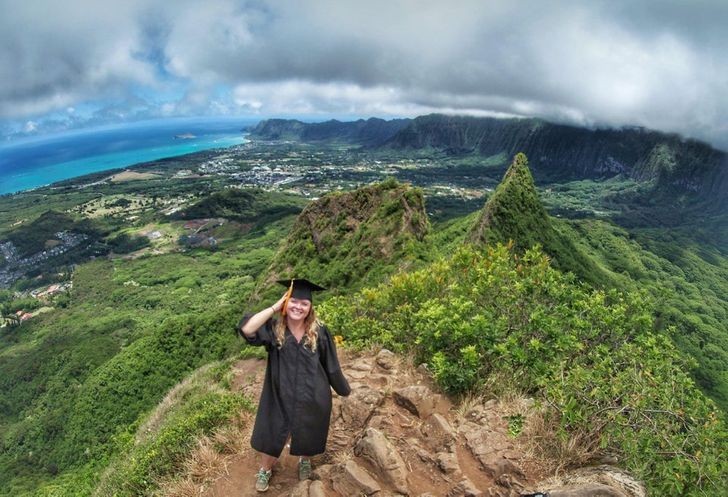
656 64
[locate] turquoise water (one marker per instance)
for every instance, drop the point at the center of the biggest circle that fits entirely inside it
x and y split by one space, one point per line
36 163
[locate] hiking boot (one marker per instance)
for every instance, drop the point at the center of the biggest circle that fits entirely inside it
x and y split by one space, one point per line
304 469
262 479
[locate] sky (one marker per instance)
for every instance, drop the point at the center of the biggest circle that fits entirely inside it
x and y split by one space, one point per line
82 63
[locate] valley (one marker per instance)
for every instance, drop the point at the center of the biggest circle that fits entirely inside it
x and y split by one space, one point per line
118 285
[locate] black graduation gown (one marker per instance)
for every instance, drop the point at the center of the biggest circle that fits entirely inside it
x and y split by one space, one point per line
296 396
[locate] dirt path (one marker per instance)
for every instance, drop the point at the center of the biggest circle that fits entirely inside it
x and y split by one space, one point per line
394 435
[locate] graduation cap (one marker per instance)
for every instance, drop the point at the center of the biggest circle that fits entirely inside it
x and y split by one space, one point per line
301 288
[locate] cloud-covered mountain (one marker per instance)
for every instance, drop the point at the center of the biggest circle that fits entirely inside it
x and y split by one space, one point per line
650 64
677 166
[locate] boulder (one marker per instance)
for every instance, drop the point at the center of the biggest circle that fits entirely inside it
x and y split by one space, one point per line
488 447
316 489
359 406
464 488
437 431
360 365
386 359
375 447
417 399
352 479
323 472
301 490
448 463
593 478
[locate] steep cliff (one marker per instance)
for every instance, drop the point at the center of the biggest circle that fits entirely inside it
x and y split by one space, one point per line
560 152
371 132
674 165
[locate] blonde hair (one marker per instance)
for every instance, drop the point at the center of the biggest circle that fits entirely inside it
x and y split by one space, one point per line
310 337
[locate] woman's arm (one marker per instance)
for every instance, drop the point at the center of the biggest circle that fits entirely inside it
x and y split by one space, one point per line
259 319
330 362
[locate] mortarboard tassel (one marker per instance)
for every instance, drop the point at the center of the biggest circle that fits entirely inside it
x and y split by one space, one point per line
288 297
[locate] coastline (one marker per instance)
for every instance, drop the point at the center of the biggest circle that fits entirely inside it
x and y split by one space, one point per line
105 165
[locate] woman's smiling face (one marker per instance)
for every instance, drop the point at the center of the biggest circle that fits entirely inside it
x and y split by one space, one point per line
298 309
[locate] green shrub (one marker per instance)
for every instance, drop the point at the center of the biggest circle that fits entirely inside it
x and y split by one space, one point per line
591 356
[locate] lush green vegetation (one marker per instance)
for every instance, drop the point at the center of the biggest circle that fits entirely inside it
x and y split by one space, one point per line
344 240
687 280
76 379
491 320
31 238
250 206
163 438
79 382
515 214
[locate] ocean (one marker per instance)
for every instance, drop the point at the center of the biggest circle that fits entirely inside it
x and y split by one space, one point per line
31 163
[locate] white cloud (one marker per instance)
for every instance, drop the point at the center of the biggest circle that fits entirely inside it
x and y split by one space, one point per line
649 63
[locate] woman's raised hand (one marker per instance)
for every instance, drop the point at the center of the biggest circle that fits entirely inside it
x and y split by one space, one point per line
279 305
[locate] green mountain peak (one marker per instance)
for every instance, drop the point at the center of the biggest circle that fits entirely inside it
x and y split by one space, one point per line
514 211
353 238
514 214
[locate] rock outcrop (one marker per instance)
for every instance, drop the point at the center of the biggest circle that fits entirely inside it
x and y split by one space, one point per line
395 435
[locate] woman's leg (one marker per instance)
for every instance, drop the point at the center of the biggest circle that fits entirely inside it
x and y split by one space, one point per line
267 462
265 472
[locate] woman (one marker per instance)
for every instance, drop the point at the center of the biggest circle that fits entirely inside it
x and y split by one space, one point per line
302 367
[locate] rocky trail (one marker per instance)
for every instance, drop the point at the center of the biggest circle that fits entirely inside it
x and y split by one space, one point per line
395 435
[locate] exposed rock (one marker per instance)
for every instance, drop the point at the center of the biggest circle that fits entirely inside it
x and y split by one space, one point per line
498 466
301 490
358 407
604 475
448 463
316 489
360 365
489 447
352 479
417 399
323 472
357 374
438 431
390 451
386 359
378 422
464 488
500 492
379 451
508 481
425 456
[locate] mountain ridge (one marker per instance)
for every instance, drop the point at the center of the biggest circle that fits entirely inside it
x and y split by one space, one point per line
371 132
557 152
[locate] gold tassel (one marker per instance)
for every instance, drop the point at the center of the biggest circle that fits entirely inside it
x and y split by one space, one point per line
288 297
